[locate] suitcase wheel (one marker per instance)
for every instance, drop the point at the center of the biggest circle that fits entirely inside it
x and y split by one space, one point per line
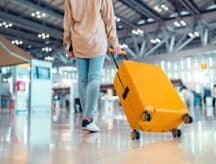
147 116
135 135
187 119
176 133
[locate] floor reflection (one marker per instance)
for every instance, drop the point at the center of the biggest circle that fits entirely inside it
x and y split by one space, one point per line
55 137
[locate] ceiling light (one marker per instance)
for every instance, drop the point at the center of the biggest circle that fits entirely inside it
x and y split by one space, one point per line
196 34
180 23
43 36
163 6
184 13
157 40
10 25
173 15
49 58
183 23
47 49
153 41
150 20
4 23
141 22
120 27
17 42
117 19
191 34
166 8
156 7
137 32
1 25
177 24
212 7
38 14
133 31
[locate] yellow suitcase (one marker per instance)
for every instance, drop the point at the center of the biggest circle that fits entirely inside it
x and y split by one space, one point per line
150 101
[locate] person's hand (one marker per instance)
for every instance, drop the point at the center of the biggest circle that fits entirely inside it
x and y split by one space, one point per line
70 54
117 50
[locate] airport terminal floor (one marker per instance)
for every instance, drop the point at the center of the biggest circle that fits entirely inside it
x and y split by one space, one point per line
56 138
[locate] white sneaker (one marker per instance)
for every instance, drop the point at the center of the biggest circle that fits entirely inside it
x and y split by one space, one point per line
92 127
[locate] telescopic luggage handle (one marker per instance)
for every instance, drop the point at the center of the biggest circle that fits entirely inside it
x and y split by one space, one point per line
123 53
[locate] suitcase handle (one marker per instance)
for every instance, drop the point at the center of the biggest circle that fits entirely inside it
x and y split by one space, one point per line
111 51
123 53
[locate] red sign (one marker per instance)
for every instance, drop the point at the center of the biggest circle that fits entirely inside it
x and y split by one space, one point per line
20 86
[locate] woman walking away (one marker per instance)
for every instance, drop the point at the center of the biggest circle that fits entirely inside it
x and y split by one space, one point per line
88 24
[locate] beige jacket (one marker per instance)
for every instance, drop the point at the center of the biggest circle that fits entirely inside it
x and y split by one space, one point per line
87 26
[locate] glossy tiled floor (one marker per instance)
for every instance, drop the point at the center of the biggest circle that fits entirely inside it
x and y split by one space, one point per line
45 138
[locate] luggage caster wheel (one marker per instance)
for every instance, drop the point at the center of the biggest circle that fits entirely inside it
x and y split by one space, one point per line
135 135
147 116
176 133
187 119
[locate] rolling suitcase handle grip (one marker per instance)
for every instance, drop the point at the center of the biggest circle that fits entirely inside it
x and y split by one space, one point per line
111 51
123 53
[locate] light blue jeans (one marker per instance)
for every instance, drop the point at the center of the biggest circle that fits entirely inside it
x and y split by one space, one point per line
89 78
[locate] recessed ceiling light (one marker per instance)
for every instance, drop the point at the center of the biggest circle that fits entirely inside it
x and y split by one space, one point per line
150 20
10 25
156 7
141 22
177 24
120 27
166 8
183 23
163 6
196 34
157 40
153 41
191 34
